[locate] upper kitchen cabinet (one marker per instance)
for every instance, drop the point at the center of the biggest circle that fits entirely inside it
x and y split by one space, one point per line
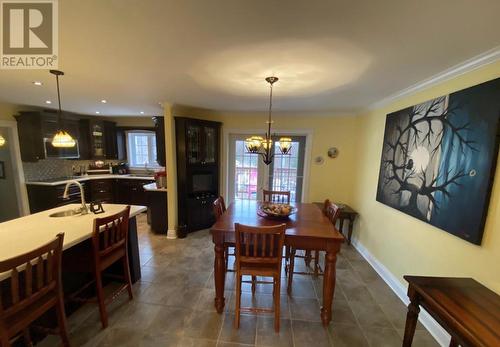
110 140
36 130
92 139
160 140
201 140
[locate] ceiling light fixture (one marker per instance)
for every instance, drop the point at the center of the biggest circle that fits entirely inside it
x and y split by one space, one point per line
62 139
97 112
2 141
104 101
264 146
37 83
48 102
142 112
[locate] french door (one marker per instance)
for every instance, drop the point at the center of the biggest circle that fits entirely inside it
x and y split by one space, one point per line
248 175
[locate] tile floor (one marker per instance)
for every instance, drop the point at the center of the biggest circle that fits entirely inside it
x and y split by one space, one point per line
173 305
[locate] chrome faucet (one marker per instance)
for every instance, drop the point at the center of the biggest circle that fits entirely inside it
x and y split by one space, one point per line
83 209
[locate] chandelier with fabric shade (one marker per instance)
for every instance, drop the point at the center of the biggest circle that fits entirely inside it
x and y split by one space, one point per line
61 139
264 145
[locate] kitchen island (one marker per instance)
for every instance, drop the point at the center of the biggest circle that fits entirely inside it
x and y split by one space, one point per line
157 207
24 234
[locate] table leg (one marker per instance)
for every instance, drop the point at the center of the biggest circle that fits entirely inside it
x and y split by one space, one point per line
341 225
351 222
328 286
219 276
411 320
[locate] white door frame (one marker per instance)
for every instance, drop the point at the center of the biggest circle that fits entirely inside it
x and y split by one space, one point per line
226 133
15 153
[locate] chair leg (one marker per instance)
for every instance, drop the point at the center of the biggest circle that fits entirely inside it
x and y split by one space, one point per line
254 279
61 321
100 300
290 270
126 272
287 258
237 302
277 293
316 263
27 337
226 251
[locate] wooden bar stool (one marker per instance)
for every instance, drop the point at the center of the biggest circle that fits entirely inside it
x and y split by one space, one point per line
219 207
109 246
35 288
332 211
259 251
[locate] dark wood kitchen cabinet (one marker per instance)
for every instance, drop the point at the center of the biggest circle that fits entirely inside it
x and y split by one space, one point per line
131 191
42 197
102 190
36 127
160 140
92 139
198 172
110 140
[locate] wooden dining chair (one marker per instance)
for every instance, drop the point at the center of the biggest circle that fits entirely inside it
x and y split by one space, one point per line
32 288
109 246
330 210
276 196
219 207
259 252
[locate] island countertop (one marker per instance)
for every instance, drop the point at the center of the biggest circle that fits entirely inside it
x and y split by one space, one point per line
24 234
88 178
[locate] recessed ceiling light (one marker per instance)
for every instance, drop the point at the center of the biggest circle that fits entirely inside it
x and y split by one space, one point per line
37 83
104 101
48 102
142 112
97 112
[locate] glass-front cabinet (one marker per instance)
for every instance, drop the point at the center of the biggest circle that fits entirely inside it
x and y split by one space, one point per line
202 143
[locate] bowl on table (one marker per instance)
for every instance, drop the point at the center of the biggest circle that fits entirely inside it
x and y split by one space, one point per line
275 211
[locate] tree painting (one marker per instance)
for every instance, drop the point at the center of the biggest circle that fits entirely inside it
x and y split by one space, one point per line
439 157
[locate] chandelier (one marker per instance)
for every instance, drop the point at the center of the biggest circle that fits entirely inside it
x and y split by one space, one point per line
264 145
62 139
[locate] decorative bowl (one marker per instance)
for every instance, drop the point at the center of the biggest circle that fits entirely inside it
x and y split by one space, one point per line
275 211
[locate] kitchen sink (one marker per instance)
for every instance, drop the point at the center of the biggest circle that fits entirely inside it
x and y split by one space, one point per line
65 213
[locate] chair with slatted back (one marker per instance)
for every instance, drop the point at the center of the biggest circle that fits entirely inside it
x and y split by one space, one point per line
332 211
33 287
109 245
258 253
219 207
276 196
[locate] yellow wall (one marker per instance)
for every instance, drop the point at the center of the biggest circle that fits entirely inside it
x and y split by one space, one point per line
404 244
332 179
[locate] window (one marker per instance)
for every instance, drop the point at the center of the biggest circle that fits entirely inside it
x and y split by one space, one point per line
141 149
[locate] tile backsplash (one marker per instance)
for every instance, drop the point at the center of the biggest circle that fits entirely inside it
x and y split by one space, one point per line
53 168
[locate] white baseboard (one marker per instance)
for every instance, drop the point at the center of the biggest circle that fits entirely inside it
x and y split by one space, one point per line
171 234
441 336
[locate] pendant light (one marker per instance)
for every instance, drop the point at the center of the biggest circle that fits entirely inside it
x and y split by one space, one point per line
264 146
62 139
2 141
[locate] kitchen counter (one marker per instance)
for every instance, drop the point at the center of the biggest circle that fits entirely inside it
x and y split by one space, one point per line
88 178
151 187
24 234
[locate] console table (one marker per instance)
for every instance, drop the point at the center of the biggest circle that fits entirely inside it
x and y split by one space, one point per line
348 214
466 309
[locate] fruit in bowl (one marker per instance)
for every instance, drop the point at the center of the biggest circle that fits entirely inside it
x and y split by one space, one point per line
277 210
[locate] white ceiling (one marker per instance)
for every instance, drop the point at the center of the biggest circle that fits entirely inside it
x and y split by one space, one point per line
329 55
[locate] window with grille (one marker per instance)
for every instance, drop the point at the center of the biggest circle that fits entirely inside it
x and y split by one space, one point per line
141 149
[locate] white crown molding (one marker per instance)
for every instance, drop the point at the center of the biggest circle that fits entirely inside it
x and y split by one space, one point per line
474 63
441 336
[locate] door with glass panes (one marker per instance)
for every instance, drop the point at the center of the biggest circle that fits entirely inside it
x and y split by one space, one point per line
248 175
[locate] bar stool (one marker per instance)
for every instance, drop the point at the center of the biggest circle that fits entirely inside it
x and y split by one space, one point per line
109 246
35 288
259 251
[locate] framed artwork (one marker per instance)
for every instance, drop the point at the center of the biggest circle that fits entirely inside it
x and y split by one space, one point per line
2 170
439 158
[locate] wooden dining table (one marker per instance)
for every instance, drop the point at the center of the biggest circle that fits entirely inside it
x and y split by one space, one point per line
308 229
